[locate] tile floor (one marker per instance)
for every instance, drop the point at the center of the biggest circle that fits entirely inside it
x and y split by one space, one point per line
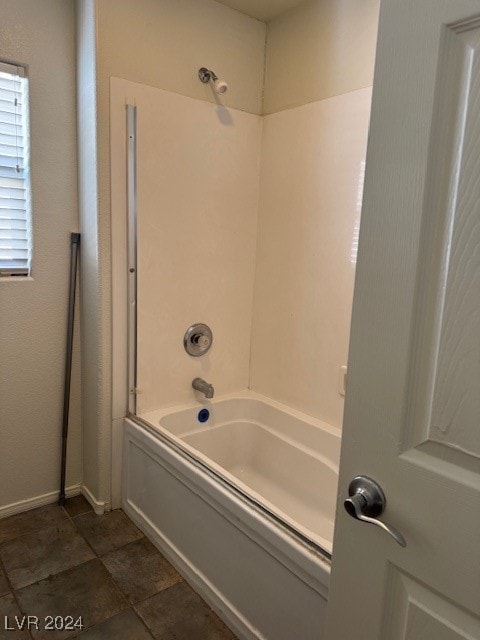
67 561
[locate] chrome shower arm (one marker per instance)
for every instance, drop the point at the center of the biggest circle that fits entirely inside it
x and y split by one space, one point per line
206 75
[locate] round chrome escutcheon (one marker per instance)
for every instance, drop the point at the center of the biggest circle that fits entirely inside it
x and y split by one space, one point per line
198 339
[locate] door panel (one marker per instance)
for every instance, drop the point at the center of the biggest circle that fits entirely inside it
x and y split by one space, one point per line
412 414
413 612
445 393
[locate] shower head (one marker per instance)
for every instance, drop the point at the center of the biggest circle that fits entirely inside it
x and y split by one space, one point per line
220 86
206 75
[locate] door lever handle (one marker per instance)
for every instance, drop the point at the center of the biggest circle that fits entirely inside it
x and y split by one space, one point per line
366 501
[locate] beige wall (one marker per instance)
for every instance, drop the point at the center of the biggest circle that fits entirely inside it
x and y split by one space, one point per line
320 49
96 412
33 312
264 9
163 43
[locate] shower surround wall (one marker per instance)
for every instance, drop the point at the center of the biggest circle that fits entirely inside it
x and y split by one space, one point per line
162 43
219 198
199 242
310 201
319 71
197 181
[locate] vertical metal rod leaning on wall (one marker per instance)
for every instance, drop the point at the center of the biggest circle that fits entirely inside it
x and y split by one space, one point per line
74 248
132 257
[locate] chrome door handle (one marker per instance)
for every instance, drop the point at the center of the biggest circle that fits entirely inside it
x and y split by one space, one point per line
366 501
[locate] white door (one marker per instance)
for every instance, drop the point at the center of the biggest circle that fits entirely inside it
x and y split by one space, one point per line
412 417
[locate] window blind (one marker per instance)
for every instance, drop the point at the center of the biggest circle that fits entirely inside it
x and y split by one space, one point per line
15 235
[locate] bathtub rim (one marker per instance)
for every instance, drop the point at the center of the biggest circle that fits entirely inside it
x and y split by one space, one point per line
245 394
309 563
201 461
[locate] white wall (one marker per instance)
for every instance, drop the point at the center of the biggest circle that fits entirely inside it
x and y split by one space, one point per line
197 183
33 312
310 200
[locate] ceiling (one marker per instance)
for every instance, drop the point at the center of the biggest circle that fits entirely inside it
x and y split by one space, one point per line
261 9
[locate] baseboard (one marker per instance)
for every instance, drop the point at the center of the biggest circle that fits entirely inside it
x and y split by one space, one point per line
38 501
99 506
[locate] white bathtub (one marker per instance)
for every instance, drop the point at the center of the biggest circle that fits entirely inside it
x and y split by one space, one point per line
285 460
243 504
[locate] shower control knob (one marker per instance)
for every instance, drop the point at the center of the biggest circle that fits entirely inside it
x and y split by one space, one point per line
366 501
197 339
201 340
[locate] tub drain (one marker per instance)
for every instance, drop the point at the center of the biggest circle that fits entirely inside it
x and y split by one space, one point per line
203 415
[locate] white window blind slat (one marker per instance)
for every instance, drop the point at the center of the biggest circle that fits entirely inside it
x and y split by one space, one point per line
11 162
11 96
11 204
14 132
11 172
10 151
14 192
15 183
6 82
9 106
13 214
11 118
13 225
10 140
11 253
15 235
13 243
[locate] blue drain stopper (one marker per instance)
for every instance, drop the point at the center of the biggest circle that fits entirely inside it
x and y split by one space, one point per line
203 415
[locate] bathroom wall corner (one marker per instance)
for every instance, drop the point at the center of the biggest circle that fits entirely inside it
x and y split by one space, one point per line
95 270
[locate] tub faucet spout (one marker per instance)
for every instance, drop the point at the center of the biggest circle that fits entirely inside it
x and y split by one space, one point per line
204 387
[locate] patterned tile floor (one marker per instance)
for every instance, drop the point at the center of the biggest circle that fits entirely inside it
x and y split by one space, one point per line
67 561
